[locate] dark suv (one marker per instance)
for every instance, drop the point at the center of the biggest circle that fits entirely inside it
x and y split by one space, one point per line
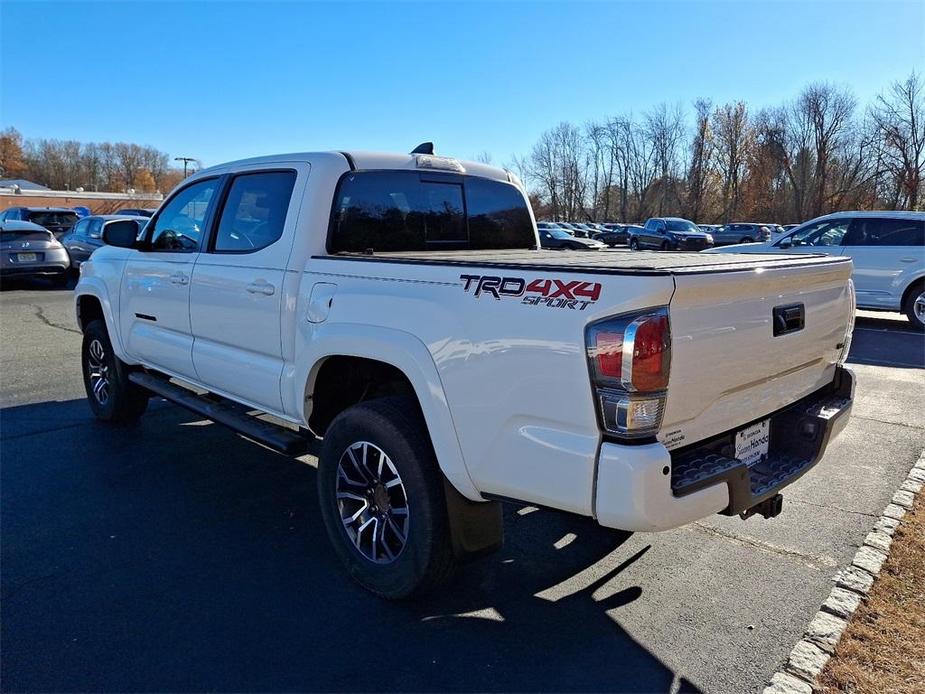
670 234
58 220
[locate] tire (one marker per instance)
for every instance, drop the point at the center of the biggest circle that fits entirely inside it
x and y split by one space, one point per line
117 400
634 245
665 246
747 239
381 562
915 298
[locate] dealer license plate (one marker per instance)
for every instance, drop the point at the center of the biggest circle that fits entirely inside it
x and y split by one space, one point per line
752 442
26 257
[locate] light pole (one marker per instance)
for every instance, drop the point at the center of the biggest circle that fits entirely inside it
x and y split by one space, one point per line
186 161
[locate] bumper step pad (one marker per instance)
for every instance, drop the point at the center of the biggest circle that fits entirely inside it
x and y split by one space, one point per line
799 436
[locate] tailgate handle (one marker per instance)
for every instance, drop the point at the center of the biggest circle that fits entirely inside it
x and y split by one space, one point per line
788 319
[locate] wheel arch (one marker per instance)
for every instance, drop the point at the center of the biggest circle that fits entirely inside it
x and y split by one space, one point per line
915 282
383 352
92 302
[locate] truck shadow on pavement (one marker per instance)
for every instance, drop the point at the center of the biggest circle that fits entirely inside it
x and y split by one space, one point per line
887 341
174 555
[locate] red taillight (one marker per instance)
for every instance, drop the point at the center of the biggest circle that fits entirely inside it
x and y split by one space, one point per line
650 354
609 349
629 357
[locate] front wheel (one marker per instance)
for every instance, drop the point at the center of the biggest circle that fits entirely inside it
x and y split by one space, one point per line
665 246
382 499
914 306
112 397
634 245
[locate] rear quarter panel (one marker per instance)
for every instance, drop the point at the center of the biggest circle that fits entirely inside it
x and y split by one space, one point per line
514 373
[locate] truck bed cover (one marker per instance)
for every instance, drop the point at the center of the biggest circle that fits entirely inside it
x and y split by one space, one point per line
603 262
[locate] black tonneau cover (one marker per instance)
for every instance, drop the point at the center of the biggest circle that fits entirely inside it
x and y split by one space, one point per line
604 262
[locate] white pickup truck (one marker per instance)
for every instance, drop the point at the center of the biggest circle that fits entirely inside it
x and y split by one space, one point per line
396 311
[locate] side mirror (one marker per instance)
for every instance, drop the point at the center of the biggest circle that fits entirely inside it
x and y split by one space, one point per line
122 233
785 243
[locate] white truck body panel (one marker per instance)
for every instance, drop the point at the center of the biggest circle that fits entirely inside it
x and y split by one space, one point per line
503 384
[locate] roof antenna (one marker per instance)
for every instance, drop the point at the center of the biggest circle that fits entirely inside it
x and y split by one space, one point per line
424 148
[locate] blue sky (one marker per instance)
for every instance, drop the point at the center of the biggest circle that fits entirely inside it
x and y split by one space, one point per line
225 80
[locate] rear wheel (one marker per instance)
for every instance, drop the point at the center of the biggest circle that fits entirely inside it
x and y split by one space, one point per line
914 306
382 499
112 397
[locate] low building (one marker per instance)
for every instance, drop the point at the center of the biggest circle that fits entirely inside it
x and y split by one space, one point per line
14 194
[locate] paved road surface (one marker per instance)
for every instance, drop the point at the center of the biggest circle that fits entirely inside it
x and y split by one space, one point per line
175 555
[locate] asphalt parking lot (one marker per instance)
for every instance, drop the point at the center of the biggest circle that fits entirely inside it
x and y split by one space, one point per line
175 555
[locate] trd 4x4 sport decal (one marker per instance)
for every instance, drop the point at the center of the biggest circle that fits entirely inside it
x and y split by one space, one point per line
573 294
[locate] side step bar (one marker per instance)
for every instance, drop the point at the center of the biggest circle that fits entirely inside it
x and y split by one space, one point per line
225 412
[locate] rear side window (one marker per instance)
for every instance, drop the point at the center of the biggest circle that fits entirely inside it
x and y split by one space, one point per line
886 232
409 211
255 211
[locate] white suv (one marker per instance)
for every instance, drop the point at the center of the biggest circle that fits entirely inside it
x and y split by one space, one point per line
888 250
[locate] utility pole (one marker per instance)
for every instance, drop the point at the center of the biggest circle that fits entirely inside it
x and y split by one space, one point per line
186 161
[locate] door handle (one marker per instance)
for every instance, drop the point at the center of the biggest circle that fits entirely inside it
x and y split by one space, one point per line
179 278
261 287
907 260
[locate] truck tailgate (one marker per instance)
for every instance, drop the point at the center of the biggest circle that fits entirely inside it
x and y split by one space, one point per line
728 365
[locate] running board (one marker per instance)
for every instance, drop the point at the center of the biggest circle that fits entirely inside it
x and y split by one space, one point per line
226 412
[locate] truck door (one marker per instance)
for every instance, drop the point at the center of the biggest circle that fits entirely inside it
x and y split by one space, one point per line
155 318
237 285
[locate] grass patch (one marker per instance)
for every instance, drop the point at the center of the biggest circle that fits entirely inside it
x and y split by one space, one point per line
883 649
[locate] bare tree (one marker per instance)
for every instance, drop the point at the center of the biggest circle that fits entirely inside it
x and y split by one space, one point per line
701 155
730 123
664 128
899 116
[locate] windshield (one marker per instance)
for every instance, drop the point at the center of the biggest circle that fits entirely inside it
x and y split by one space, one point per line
559 233
54 219
680 225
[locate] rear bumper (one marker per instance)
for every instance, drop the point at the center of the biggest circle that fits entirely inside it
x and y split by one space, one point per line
648 488
51 261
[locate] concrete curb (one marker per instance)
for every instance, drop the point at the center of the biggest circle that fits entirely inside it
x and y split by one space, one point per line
852 584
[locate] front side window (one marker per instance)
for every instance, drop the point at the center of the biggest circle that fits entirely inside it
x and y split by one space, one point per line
255 211
409 211
179 225
829 233
886 232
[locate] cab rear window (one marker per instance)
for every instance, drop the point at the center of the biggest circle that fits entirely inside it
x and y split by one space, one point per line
390 211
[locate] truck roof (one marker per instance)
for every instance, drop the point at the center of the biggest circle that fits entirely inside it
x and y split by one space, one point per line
364 160
601 262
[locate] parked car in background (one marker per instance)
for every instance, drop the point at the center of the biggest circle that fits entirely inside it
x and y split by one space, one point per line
82 211
670 234
31 250
740 232
888 250
614 234
560 239
574 229
710 228
58 220
137 211
87 235
788 227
